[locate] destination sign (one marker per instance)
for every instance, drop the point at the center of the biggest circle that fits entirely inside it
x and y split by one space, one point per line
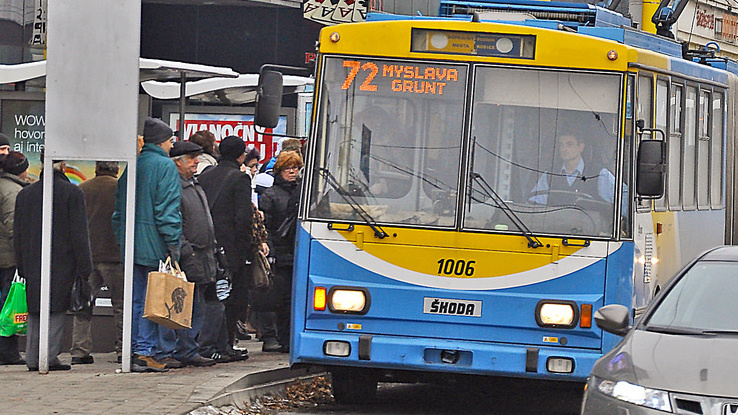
474 43
403 78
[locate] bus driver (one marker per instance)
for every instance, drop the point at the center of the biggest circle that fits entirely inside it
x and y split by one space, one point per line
561 186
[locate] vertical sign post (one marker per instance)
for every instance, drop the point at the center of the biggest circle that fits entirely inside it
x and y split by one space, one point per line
91 114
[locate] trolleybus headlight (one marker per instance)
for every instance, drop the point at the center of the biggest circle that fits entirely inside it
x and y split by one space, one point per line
557 314
612 55
350 300
334 37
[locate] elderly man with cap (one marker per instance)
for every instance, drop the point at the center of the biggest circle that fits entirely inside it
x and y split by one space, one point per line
197 256
229 195
158 229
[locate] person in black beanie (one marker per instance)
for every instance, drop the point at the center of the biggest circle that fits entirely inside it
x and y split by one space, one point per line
12 180
158 229
4 144
228 190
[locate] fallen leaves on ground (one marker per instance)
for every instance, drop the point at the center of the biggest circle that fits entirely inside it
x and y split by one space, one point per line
298 395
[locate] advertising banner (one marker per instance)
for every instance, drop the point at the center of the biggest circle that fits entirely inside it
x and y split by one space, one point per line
241 125
24 122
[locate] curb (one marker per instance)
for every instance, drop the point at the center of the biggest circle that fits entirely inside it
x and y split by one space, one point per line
255 385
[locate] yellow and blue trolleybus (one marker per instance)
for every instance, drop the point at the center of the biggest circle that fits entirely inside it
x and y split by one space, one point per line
475 190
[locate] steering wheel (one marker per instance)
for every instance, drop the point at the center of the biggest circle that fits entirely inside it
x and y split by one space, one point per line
563 195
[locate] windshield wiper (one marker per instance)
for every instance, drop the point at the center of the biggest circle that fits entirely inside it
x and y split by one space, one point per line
331 180
673 330
734 332
533 242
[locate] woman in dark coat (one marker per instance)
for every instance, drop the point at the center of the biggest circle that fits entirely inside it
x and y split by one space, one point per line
279 204
70 257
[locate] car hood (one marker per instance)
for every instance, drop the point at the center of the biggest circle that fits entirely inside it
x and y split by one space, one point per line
703 365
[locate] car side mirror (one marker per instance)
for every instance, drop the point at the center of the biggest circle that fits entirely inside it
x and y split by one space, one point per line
268 98
613 318
651 169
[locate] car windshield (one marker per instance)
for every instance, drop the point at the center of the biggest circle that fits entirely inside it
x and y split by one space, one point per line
703 299
546 142
389 132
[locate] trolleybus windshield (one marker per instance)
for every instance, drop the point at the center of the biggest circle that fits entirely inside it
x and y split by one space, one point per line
546 143
390 132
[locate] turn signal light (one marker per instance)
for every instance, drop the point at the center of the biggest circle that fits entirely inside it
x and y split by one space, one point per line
585 319
319 299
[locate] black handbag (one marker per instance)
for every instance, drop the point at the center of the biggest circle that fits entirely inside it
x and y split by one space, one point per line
81 298
261 272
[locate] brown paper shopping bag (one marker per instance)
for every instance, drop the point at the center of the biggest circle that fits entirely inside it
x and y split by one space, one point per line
169 300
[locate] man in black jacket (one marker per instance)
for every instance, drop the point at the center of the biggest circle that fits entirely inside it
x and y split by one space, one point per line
229 195
70 257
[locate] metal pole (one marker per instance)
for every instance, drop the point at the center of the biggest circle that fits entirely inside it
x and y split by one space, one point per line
182 102
45 306
130 220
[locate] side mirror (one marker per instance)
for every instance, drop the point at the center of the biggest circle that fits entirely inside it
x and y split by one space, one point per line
613 318
651 168
268 98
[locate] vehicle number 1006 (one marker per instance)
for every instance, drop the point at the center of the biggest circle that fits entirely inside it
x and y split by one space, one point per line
456 267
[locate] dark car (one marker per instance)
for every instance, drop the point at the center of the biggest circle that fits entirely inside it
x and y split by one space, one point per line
681 356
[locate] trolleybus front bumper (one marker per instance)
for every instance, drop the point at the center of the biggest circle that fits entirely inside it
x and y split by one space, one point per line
438 355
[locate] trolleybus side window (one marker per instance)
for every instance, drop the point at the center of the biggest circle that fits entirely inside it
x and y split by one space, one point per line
645 113
716 153
626 218
703 151
674 176
662 111
689 149
527 126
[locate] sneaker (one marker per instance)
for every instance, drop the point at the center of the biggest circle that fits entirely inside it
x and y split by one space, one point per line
220 358
242 332
83 360
270 345
236 355
148 361
200 361
172 363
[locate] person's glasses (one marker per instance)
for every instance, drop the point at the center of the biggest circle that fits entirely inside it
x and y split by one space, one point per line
292 168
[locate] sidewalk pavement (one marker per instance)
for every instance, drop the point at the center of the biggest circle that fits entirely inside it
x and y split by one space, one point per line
98 389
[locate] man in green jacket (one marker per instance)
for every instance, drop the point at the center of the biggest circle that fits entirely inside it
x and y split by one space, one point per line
158 229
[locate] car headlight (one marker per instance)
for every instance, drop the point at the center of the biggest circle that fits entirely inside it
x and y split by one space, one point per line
635 394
